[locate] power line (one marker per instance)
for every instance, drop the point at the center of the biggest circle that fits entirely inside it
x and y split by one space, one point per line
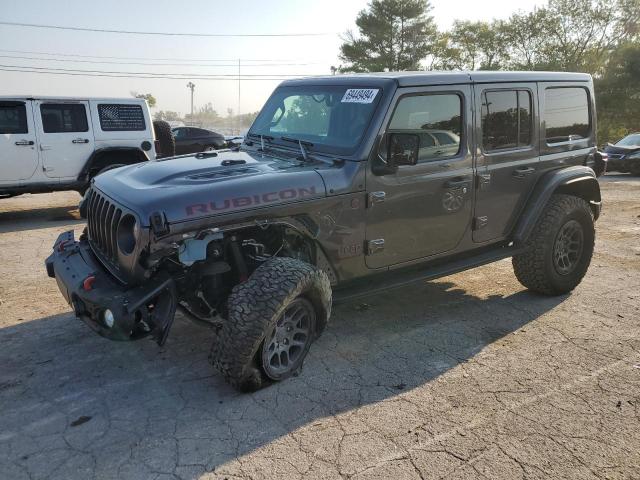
166 34
155 64
153 74
144 76
147 58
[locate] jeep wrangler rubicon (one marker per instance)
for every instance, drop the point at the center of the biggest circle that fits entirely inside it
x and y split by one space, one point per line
50 144
344 186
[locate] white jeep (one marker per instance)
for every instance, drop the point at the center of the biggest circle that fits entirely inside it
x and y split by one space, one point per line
49 144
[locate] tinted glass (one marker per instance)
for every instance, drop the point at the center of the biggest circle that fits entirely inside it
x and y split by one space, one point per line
430 116
566 114
13 118
506 119
61 118
121 118
332 118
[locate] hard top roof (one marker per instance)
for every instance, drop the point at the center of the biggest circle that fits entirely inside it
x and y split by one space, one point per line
409 79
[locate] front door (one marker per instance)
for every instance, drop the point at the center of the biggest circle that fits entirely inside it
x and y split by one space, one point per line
508 158
18 154
424 209
66 137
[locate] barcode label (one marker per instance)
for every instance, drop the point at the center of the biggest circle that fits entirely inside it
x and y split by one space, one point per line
359 95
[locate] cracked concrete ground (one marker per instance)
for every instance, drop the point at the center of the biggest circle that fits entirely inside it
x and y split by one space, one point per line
466 377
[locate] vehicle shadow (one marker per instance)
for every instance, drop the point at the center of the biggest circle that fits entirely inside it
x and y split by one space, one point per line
78 405
43 217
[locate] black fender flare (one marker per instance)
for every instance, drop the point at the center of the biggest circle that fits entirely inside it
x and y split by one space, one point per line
580 181
95 157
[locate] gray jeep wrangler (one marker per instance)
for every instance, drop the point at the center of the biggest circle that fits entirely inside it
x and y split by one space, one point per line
344 186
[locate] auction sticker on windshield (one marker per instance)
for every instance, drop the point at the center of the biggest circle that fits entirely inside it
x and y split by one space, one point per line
359 95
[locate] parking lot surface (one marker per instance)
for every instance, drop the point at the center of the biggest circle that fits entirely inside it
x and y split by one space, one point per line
469 376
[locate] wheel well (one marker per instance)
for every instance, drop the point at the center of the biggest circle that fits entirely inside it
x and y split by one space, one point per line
586 188
102 159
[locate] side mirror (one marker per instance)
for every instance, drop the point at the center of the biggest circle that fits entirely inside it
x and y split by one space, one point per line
402 149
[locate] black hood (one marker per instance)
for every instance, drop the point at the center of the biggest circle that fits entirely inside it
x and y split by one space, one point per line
193 186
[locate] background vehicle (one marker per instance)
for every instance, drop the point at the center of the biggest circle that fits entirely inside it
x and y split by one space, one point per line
624 155
342 201
193 140
49 144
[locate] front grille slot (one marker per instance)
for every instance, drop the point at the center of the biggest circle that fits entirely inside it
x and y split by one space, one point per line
103 217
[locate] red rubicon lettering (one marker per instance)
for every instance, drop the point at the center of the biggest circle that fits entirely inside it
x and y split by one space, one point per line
253 200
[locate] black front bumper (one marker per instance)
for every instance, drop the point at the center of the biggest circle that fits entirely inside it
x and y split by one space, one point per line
91 290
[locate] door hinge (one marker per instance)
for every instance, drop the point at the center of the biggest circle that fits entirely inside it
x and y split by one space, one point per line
480 222
375 246
375 197
484 181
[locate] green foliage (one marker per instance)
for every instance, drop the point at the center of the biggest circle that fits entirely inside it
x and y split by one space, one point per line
393 35
151 100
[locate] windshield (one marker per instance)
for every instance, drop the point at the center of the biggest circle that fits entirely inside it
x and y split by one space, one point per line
630 141
333 119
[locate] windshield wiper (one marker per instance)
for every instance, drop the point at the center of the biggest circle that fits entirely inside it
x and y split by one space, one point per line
262 138
302 143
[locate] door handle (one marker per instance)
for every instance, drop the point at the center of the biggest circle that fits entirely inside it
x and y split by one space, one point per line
523 172
24 142
80 140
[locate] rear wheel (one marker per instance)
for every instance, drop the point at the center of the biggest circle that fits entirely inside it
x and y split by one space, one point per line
560 248
272 320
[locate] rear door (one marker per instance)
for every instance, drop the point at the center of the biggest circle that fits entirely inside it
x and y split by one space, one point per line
65 137
508 155
18 154
424 209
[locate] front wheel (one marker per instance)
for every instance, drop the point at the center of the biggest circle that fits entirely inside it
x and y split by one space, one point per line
272 320
559 250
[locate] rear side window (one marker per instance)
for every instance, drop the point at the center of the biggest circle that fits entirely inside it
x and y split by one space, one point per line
566 113
64 117
13 118
506 119
121 117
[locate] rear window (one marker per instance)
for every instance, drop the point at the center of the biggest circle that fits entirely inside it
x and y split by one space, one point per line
121 117
506 119
566 114
64 117
13 118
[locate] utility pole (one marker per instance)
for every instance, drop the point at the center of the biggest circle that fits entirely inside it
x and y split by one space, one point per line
191 86
238 112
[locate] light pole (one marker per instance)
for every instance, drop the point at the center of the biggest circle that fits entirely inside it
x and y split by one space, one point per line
191 86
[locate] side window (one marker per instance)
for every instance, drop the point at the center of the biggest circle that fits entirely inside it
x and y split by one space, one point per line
506 119
566 114
13 118
430 116
64 117
121 117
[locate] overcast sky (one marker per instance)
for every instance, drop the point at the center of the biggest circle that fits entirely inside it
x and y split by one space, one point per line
294 55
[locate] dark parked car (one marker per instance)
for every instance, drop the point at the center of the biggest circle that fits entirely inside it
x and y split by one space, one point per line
194 140
624 155
344 186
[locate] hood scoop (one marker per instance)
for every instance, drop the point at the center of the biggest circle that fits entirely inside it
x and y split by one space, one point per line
226 173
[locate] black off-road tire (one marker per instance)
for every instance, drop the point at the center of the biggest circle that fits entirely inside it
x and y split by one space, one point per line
535 268
165 138
254 307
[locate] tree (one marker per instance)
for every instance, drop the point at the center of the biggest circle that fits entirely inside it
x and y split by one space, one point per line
151 100
479 45
523 35
168 116
392 35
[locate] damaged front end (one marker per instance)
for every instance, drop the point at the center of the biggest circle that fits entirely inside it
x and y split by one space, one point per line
110 308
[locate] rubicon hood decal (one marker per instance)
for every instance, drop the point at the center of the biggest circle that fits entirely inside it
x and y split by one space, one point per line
186 188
